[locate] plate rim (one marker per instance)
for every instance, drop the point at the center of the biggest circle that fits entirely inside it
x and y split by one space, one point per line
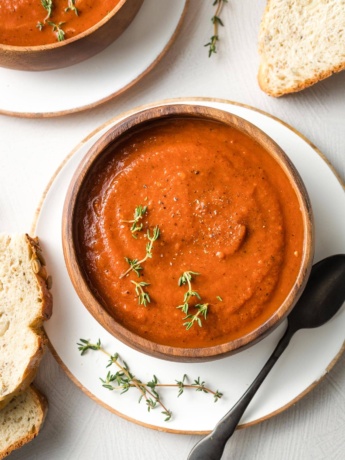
84 108
53 178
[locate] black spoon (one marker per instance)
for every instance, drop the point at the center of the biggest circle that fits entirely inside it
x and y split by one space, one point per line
321 299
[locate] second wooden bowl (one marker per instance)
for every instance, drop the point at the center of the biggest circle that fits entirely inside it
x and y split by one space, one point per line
73 50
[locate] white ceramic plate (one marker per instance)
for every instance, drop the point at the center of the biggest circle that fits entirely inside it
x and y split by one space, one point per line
100 78
309 356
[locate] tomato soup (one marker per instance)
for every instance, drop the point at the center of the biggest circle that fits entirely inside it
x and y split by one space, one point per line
222 210
29 23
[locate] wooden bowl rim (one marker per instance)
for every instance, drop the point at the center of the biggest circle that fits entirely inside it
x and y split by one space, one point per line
50 46
130 123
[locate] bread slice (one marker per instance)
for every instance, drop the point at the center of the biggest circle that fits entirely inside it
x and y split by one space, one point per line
25 302
300 43
21 420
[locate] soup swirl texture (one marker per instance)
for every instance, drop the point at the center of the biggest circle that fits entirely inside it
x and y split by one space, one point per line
225 211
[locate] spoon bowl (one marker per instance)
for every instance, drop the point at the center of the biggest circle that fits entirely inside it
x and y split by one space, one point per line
323 295
322 298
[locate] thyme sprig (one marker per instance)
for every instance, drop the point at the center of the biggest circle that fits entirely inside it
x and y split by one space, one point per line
216 21
60 33
139 213
123 380
85 345
48 6
202 309
198 385
143 297
71 7
135 264
186 278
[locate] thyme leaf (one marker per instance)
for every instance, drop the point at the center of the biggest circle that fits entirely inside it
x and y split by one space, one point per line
60 33
186 278
202 309
151 239
134 263
124 380
71 7
85 345
143 297
48 6
139 213
216 21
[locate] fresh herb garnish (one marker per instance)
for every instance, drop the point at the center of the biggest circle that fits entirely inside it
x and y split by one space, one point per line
139 213
202 309
216 21
123 380
143 297
151 239
60 34
87 345
48 6
219 298
71 7
186 278
134 263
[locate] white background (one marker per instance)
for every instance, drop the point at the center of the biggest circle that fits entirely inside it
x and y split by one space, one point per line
32 149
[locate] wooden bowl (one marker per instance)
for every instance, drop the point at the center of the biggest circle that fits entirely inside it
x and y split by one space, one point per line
73 50
80 188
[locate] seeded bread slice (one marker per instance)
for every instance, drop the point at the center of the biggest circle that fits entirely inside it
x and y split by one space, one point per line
25 302
21 420
300 43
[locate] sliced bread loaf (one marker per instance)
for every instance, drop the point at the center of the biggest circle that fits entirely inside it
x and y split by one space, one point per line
25 302
21 420
300 43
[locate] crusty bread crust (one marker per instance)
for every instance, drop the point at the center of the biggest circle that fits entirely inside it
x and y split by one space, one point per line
298 86
300 44
31 397
42 279
33 261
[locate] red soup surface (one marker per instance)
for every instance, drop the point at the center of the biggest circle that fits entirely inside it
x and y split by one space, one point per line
225 211
29 23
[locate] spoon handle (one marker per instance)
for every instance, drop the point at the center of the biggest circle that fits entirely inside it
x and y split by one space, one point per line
212 446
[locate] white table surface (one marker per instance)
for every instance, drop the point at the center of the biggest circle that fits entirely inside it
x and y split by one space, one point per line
31 150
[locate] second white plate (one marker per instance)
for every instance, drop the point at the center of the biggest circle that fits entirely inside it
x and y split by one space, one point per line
309 356
100 78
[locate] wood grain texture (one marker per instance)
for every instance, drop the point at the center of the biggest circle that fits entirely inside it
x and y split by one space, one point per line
132 113
115 93
99 153
76 427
